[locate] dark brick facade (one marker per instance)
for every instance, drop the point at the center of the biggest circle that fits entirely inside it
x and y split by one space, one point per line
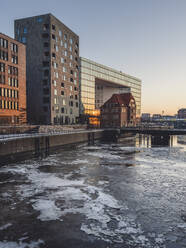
12 81
52 69
119 111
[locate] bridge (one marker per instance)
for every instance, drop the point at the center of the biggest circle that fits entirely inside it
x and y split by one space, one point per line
160 131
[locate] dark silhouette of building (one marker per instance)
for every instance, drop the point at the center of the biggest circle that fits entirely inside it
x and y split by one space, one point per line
52 69
12 81
182 113
118 111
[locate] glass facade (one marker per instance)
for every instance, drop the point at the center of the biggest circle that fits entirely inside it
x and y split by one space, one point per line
90 72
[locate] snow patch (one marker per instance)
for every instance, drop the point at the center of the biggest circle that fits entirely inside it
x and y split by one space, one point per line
48 210
33 244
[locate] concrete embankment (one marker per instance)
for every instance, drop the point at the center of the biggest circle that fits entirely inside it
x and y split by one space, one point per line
21 148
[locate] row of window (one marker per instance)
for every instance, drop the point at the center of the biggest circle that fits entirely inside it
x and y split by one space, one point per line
14 59
9 93
14 48
9 105
65 53
3 55
13 82
3 43
12 70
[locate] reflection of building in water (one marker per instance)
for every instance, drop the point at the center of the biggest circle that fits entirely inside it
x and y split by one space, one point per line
98 83
145 140
181 139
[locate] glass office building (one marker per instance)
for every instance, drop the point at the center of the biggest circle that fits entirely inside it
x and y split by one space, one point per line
99 82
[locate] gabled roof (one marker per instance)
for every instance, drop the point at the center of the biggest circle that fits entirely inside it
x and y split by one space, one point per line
120 99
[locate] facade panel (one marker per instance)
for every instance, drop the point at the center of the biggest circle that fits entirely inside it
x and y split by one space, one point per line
12 81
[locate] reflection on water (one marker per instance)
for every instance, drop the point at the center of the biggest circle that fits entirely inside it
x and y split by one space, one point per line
130 194
144 140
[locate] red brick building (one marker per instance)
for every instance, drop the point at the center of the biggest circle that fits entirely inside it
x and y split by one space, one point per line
12 81
118 111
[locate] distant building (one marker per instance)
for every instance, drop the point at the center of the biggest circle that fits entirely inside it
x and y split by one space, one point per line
145 117
52 69
156 117
98 83
118 111
182 113
12 81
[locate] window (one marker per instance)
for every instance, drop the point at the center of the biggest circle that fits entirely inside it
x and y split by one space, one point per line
23 39
14 48
45 35
65 53
71 80
46 54
61 43
64 69
65 45
64 77
46 91
71 57
70 88
71 41
45 63
53 36
46 73
55 92
76 104
53 27
62 60
57 49
62 85
70 48
53 55
46 44
65 36
45 27
62 110
39 19
25 30
45 99
62 93
70 64
63 102
55 83
55 100
60 33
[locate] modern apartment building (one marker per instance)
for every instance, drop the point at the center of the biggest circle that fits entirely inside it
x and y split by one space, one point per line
12 81
98 83
52 69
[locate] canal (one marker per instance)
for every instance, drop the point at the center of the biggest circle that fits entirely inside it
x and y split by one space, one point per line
120 195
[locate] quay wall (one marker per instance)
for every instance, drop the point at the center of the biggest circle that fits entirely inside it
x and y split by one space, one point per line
21 148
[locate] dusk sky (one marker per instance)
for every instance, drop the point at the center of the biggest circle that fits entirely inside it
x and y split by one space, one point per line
144 38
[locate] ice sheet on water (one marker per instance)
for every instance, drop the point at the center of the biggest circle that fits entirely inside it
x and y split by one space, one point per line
48 210
104 155
33 244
